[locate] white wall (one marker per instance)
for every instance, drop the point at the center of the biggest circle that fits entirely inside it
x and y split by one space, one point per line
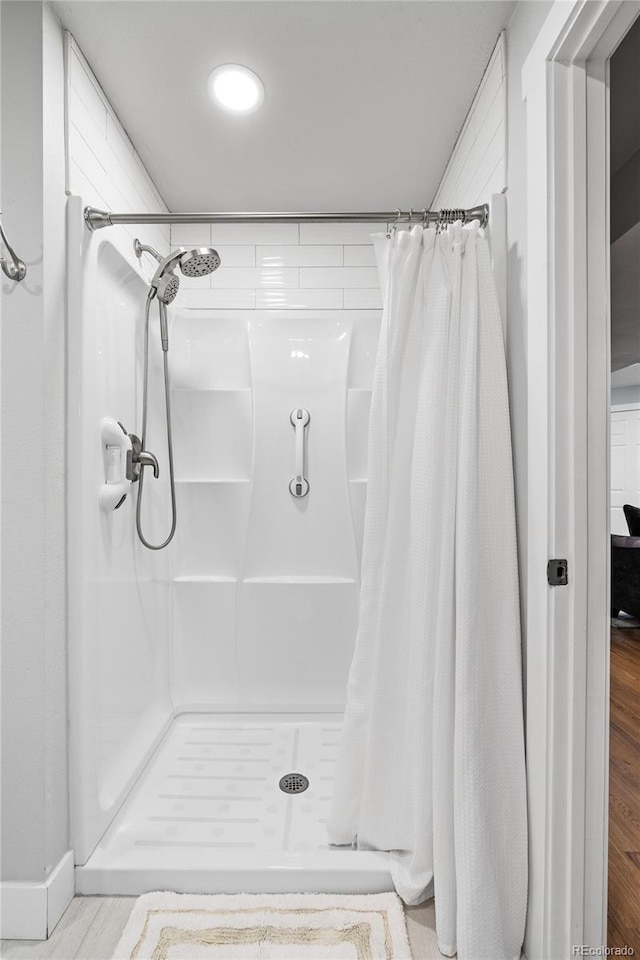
54 378
118 591
37 869
477 167
102 164
625 463
626 395
119 597
522 30
489 158
34 809
625 385
317 266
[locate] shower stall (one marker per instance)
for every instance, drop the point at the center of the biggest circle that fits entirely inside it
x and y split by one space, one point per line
204 674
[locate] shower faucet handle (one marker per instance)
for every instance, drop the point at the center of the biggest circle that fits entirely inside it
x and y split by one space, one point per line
137 458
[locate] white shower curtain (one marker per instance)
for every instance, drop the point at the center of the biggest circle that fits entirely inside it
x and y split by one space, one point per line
431 763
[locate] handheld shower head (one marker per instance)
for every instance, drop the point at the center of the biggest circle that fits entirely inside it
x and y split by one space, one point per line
193 263
165 285
167 288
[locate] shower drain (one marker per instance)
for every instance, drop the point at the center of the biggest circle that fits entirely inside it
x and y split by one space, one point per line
293 783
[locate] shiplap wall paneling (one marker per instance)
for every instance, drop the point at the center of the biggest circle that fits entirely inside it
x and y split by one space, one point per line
477 167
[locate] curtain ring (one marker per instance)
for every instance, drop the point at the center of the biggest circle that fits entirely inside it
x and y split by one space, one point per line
424 217
410 216
394 225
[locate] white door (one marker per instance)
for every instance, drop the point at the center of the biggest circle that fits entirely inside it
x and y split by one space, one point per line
625 463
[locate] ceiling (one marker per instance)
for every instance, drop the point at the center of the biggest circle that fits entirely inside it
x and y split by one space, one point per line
625 299
364 100
625 99
627 377
625 190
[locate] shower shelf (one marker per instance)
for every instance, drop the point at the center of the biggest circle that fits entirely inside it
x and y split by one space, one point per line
212 479
212 389
297 579
205 579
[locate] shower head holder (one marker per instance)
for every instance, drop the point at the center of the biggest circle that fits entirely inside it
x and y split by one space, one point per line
116 450
140 248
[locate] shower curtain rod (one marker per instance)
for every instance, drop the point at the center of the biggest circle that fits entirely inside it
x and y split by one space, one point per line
96 219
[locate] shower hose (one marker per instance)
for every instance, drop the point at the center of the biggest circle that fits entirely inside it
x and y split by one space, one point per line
145 391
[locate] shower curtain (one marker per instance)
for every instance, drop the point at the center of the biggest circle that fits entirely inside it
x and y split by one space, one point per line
431 762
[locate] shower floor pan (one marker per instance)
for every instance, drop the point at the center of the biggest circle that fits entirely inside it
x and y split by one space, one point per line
208 815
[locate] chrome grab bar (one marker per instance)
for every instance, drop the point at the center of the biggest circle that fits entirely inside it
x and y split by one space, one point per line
15 268
299 485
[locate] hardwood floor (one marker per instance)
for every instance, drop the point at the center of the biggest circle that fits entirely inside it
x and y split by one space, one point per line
91 928
624 791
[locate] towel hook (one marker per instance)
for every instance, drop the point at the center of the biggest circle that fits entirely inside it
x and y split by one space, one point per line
15 268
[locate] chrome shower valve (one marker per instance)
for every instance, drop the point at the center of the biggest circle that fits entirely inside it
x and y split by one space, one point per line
137 458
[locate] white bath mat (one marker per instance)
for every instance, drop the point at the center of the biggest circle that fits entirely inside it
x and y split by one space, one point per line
174 926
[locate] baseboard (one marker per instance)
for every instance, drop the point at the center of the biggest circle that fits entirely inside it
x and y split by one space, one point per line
30 911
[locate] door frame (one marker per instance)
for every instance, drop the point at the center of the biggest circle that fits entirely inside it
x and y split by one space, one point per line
565 89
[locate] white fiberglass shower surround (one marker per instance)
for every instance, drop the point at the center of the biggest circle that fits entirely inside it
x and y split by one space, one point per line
210 678
204 673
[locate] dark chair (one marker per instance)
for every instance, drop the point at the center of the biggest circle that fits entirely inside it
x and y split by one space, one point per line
632 516
625 575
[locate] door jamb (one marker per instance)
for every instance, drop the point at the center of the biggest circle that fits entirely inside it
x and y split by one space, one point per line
565 86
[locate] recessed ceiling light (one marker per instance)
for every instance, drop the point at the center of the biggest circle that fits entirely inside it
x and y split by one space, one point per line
235 88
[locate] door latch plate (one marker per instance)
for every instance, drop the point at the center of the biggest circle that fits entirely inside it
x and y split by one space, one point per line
558 573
